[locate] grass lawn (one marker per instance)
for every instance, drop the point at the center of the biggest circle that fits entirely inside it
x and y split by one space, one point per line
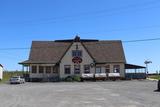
155 77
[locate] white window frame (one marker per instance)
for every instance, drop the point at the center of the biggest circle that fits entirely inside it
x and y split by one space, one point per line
76 53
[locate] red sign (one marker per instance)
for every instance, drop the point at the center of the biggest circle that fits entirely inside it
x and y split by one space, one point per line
77 60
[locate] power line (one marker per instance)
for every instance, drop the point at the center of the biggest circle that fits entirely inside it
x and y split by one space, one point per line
84 14
142 40
123 29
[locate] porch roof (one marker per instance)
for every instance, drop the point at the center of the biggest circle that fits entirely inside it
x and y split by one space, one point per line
36 62
132 66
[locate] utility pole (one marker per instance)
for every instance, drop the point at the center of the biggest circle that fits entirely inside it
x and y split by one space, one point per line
157 72
147 62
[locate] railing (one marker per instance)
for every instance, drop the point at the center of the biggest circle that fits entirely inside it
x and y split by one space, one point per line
101 76
135 75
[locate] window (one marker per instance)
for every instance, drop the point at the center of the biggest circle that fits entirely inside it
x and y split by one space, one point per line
48 69
76 53
77 69
86 68
98 69
107 68
116 68
41 69
67 69
34 69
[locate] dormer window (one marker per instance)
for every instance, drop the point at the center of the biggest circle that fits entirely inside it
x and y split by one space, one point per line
76 53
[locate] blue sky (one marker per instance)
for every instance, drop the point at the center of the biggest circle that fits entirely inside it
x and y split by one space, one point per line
22 21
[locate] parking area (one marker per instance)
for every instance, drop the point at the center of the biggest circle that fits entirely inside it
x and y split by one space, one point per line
81 94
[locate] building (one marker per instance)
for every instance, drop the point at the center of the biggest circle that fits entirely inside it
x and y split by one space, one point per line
1 72
62 58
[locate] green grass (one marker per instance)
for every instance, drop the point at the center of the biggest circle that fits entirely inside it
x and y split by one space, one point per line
7 75
155 77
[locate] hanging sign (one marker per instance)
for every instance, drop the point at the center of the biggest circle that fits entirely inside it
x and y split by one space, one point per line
77 60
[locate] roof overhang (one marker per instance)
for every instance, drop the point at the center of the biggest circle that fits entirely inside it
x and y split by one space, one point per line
28 62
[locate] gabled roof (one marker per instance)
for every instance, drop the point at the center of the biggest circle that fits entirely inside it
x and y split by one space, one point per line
53 51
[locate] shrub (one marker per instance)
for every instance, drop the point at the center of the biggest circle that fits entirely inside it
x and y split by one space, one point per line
72 78
62 79
76 78
69 79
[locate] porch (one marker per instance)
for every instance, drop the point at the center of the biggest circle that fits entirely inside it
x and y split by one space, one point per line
135 72
41 72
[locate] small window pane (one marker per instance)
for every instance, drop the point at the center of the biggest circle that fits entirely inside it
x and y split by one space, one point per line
98 69
73 53
77 69
76 53
34 69
86 68
41 69
67 69
116 68
48 69
107 68
79 53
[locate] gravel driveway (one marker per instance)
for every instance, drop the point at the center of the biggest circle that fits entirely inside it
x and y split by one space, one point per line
83 94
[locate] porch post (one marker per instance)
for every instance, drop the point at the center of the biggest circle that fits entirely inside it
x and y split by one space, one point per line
135 71
37 69
27 69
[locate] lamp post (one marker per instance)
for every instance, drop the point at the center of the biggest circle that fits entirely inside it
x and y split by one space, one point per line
147 62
